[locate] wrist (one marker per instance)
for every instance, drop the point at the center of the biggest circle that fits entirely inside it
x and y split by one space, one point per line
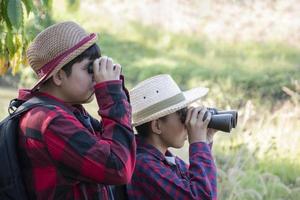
197 139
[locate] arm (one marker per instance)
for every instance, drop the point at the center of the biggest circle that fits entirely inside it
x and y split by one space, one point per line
158 181
80 155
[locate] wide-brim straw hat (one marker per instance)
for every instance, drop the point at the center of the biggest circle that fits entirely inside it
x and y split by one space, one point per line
56 46
159 96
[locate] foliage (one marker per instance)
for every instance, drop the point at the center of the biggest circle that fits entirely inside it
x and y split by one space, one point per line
261 69
13 36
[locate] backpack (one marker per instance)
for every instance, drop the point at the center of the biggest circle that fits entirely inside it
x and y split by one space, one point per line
11 182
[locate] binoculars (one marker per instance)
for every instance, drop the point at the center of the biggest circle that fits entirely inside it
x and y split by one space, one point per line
90 68
220 120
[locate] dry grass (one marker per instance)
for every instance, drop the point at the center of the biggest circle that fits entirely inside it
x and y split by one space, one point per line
260 158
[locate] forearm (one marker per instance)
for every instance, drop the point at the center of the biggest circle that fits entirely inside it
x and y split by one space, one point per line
202 168
115 112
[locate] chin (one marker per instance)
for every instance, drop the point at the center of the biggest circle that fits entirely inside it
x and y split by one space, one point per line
89 99
178 146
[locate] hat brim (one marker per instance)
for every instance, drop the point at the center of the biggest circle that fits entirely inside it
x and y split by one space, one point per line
66 60
191 96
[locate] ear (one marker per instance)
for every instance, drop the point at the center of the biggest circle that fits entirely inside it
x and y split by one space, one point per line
58 77
156 126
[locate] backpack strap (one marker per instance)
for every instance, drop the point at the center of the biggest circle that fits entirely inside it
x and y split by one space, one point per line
17 107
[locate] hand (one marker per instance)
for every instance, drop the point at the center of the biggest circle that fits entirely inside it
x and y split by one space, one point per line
197 128
105 70
210 135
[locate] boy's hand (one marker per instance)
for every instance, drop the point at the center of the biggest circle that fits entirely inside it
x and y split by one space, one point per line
196 126
210 135
105 70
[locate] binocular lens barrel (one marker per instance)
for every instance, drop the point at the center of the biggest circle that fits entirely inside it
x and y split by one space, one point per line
222 120
234 116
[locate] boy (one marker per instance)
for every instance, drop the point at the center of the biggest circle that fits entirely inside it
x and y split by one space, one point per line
64 152
162 120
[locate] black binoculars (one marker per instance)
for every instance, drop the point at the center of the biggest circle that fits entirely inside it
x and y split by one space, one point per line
90 68
220 120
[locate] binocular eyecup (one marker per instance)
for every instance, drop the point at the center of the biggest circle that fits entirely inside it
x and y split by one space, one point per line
90 69
222 120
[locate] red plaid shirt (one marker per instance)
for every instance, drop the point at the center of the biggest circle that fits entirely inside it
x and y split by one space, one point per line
63 158
158 176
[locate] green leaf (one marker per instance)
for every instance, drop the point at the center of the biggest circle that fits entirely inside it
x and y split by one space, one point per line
1 12
15 13
1 48
28 5
47 3
10 44
4 14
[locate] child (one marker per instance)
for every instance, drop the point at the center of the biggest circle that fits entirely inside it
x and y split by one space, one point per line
162 120
64 152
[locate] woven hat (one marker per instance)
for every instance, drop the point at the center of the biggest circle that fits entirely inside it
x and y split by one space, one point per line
159 96
56 46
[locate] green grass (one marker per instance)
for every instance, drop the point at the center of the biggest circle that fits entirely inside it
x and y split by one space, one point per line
260 69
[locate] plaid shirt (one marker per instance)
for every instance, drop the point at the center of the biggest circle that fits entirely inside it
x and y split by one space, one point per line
159 176
63 157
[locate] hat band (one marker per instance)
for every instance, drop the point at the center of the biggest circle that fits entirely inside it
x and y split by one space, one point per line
159 106
50 66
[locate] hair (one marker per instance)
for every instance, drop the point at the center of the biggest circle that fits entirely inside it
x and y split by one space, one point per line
144 130
91 53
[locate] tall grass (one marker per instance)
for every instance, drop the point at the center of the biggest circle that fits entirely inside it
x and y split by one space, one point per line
260 158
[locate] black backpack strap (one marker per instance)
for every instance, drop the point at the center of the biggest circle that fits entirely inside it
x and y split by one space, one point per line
18 106
86 121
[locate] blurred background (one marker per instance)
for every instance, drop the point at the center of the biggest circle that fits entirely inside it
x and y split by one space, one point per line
246 51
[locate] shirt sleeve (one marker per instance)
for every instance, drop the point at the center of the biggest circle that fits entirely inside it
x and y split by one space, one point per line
81 155
154 179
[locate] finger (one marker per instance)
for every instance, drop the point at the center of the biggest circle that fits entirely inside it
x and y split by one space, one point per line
188 115
117 68
194 115
96 65
207 120
109 64
103 63
201 113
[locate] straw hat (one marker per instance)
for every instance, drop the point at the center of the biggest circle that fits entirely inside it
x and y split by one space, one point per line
56 46
159 96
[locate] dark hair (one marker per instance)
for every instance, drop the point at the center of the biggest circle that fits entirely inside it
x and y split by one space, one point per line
91 53
144 129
